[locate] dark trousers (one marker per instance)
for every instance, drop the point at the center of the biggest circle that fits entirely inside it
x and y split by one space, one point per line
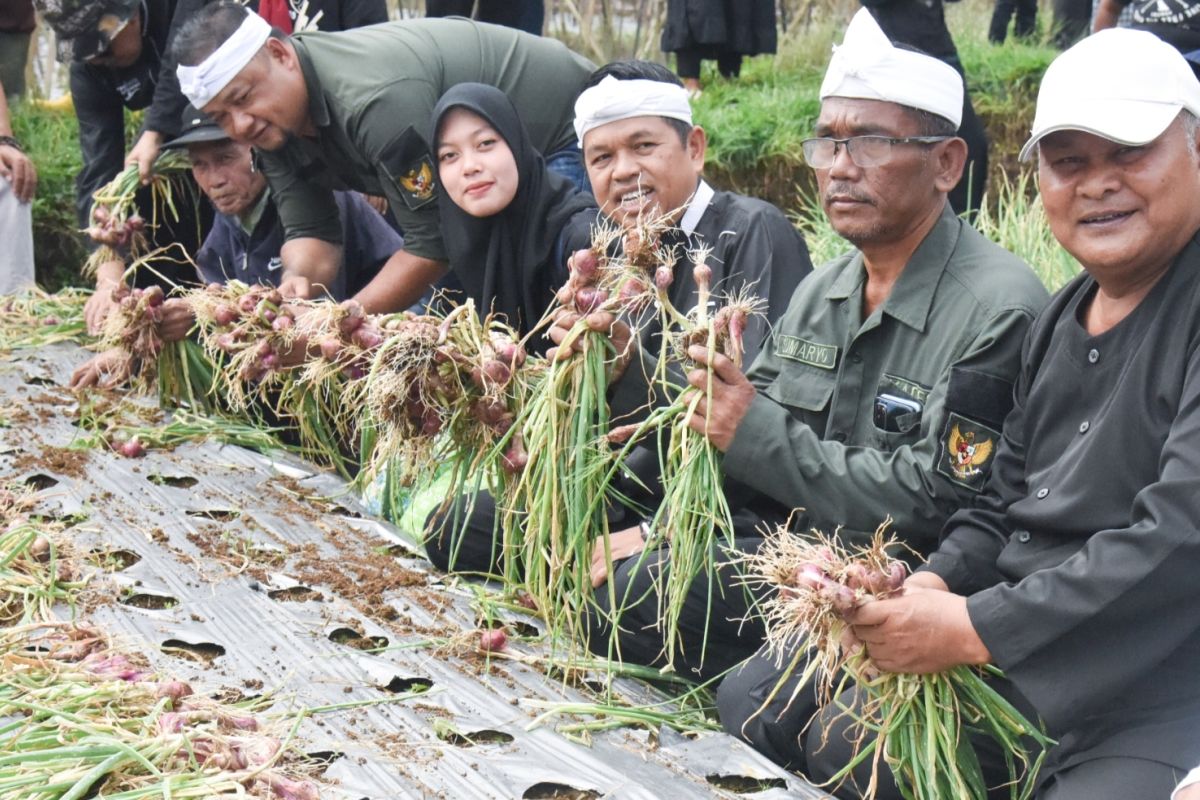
687 62
524 15
464 537
733 630
1026 12
1072 19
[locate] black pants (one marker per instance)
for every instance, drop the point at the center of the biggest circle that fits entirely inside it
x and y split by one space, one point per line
1026 12
1072 19
968 194
464 537
687 62
732 633
524 15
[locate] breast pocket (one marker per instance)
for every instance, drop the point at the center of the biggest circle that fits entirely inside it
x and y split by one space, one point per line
908 432
806 393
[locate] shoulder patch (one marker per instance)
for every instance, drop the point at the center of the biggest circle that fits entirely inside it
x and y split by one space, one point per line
966 450
416 183
815 354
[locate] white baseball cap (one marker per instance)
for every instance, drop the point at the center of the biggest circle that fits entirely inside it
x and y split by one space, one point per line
1124 85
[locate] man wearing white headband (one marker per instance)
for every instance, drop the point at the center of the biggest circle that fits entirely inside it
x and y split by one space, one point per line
645 157
1075 572
883 357
351 110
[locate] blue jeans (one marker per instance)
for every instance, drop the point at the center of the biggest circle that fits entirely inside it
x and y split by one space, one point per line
568 162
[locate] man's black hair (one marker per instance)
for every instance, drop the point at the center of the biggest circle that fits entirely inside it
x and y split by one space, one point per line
633 69
207 29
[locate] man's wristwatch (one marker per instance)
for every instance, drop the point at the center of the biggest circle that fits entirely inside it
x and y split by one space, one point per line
11 142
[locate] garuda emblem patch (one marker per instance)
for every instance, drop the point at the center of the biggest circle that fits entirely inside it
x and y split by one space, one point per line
966 451
419 182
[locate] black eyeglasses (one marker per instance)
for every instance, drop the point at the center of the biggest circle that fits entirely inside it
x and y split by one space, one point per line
864 151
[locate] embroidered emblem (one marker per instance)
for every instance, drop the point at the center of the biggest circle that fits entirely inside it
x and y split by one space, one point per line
823 356
967 449
418 181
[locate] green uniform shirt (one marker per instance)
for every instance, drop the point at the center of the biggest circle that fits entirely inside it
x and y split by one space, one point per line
859 419
371 96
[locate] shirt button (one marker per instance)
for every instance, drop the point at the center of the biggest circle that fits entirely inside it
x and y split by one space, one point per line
1024 536
1093 356
839 437
1083 426
1041 493
856 358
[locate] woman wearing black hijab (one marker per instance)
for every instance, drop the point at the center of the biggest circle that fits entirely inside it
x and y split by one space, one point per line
508 223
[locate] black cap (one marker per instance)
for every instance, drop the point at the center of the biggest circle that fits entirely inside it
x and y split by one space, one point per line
84 29
197 127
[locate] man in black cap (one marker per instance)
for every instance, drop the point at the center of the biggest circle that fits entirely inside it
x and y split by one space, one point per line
247 234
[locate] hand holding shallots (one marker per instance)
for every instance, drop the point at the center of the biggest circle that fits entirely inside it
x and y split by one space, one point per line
729 395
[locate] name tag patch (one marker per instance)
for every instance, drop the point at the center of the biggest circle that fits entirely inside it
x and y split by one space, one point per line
815 354
894 384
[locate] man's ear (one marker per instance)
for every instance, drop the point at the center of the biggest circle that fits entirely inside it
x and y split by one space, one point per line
951 157
278 52
697 146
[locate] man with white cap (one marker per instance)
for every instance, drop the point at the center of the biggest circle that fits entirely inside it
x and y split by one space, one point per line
881 354
645 157
350 110
1075 572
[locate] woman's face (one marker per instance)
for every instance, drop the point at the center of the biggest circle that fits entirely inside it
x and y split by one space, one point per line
476 166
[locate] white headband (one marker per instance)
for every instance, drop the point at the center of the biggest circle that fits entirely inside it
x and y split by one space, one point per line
612 100
201 83
868 66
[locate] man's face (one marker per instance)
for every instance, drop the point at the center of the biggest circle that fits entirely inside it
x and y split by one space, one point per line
1120 209
266 101
224 173
640 166
879 204
124 48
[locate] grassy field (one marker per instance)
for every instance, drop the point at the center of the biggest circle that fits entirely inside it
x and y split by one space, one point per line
755 126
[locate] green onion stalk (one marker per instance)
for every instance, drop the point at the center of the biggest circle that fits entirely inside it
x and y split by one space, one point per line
131 429
115 212
37 318
557 507
694 517
186 377
920 726
83 718
35 575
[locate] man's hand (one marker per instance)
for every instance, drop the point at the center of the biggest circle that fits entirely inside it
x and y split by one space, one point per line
618 333
923 630
621 544
718 417
18 170
106 370
377 202
177 320
110 279
296 287
144 153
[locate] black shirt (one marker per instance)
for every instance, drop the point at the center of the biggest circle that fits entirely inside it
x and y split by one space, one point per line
1082 557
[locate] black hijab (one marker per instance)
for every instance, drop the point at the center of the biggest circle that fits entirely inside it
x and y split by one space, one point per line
505 262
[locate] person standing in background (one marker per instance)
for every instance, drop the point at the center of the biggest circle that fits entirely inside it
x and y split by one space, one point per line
717 30
1026 13
922 25
18 181
524 15
17 22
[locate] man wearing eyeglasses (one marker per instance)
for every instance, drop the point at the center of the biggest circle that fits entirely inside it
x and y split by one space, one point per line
883 382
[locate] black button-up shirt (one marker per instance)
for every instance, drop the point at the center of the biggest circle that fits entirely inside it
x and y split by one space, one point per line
1082 557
